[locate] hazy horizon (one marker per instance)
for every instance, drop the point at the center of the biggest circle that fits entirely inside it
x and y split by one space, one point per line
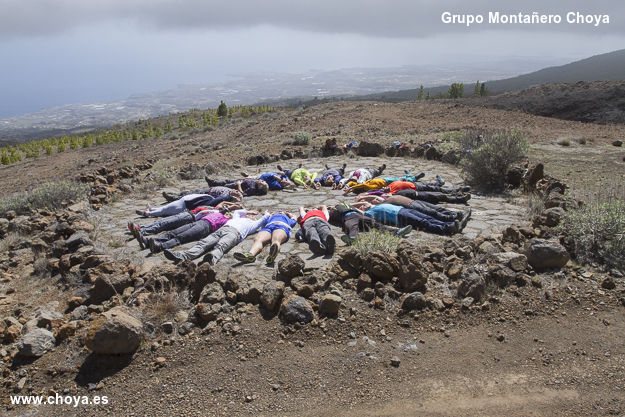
58 53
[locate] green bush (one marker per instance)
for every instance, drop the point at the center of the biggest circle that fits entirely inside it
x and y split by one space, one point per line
488 156
376 240
51 196
301 138
597 231
564 142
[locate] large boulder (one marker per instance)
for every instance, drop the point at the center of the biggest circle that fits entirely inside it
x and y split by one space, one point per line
472 285
212 293
545 254
330 305
291 266
515 261
413 301
381 266
411 273
35 343
115 332
272 294
297 309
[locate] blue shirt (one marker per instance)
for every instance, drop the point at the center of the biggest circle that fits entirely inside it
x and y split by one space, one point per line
273 183
384 213
282 218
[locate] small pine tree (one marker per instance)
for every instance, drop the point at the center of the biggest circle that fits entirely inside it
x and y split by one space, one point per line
476 89
5 159
456 90
427 97
483 90
222 110
420 93
168 126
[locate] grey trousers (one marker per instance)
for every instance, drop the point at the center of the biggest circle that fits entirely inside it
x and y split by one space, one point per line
184 234
317 229
216 244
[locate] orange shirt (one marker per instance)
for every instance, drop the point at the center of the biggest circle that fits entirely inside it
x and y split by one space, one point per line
401 185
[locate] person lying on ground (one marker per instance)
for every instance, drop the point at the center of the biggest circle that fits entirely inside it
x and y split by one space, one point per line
301 176
361 175
276 231
175 221
353 221
331 177
208 221
399 216
438 212
315 229
188 202
246 186
217 244
212 191
377 197
276 181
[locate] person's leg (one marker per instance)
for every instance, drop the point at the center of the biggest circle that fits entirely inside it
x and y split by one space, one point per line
278 237
438 212
169 209
216 183
325 235
312 237
351 225
262 238
228 240
423 222
206 244
167 223
198 230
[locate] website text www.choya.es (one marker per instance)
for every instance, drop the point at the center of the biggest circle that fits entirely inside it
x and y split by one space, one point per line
57 399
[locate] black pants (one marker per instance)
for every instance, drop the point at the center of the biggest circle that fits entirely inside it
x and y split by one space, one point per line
184 234
438 212
433 197
353 223
230 183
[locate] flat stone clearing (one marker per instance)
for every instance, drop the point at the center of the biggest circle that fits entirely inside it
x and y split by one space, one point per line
489 214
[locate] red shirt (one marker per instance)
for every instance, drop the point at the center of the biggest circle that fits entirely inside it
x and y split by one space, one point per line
314 213
401 185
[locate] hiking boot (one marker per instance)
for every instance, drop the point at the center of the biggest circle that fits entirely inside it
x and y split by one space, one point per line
273 252
344 166
348 240
299 165
465 198
175 257
279 168
209 181
440 181
169 197
245 257
244 174
317 248
404 231
465 189
142 213
466 215
155 247
327 167
142 240
330 245
419 176
454 228
382 168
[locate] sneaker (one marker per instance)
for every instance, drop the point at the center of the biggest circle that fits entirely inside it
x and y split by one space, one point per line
279 168
245 257
299 165
419 176
142 213
155 247
466 198
273 252
344 166
404 231
317 248
382 168
440 181
208 258
348 240
209 181
173 256
454 227
330 245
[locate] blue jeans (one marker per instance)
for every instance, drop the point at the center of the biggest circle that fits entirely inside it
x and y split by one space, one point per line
438 212
423 222
167 223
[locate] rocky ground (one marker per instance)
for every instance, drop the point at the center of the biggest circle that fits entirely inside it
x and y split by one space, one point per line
496 320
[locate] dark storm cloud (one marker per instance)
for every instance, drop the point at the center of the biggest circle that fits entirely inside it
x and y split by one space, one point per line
381 18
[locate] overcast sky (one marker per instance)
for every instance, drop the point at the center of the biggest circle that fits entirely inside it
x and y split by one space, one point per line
71 51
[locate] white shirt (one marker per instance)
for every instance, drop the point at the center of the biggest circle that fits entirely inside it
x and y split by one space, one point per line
244 225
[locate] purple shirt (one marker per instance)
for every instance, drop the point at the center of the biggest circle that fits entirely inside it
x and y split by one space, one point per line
216 220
